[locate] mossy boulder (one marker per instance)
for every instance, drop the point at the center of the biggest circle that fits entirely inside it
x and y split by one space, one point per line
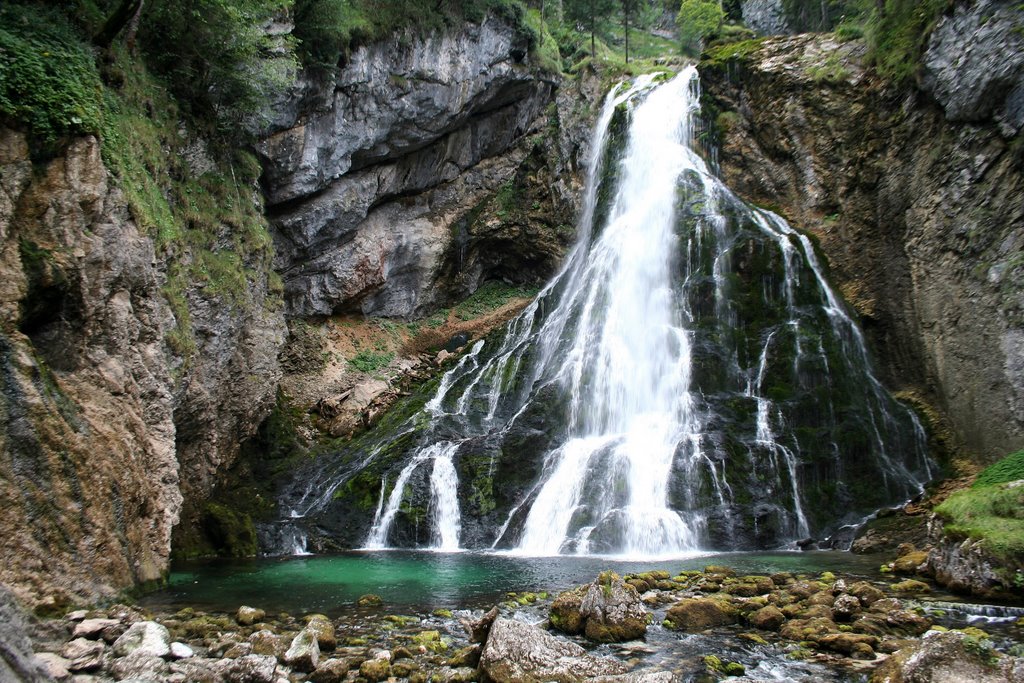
612 610
848 643
808 629
866 593
304 652
768 618
375 670
749 586
431 641
698 614
465 656
321 627
264 642
911 586
330 671
370 600
564 614
247 616
909 563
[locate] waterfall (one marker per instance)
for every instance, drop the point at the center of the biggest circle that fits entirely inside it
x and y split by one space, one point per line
688 380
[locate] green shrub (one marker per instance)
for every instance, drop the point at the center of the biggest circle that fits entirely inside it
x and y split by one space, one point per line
214 56
370 361
328 30
898 36
696 20
48 77
1010 468
490 296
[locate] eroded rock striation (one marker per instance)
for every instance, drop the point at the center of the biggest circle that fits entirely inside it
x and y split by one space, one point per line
917 210
377 190
102 414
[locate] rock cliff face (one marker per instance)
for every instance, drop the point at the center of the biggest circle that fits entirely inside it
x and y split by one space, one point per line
90 478
101 417
918 211
372 185
427 166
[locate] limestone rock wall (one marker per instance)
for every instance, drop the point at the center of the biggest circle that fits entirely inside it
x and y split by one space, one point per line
107 431
370 185
89 484
919 212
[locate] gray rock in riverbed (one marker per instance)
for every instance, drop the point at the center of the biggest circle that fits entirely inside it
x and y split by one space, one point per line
520 653
304 653
145 637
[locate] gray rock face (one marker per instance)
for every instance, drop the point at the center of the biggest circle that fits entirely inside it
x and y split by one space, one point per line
17 663
765 17
920 219
941 657
392 98
964 565
518 652
974 65
95 444
91 455
367 190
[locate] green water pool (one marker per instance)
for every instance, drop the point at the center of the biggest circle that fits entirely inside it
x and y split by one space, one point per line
424 581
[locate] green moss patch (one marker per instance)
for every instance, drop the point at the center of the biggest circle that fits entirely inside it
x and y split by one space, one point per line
993 514
1010 468
48 79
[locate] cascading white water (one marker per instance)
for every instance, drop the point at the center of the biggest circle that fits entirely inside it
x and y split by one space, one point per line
444 499
628 367
673 412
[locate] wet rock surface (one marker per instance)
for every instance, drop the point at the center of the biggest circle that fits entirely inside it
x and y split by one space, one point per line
917 211
777 625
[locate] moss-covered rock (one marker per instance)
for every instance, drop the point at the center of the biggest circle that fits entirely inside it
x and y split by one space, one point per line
564 614
768 618
375 670
698 614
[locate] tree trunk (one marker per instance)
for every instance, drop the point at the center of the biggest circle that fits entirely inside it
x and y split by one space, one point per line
593 29
133 28
122 16
625 16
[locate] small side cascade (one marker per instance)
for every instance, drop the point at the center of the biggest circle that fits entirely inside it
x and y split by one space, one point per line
444 501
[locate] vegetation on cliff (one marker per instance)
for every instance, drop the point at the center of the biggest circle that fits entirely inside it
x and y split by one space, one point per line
992 510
